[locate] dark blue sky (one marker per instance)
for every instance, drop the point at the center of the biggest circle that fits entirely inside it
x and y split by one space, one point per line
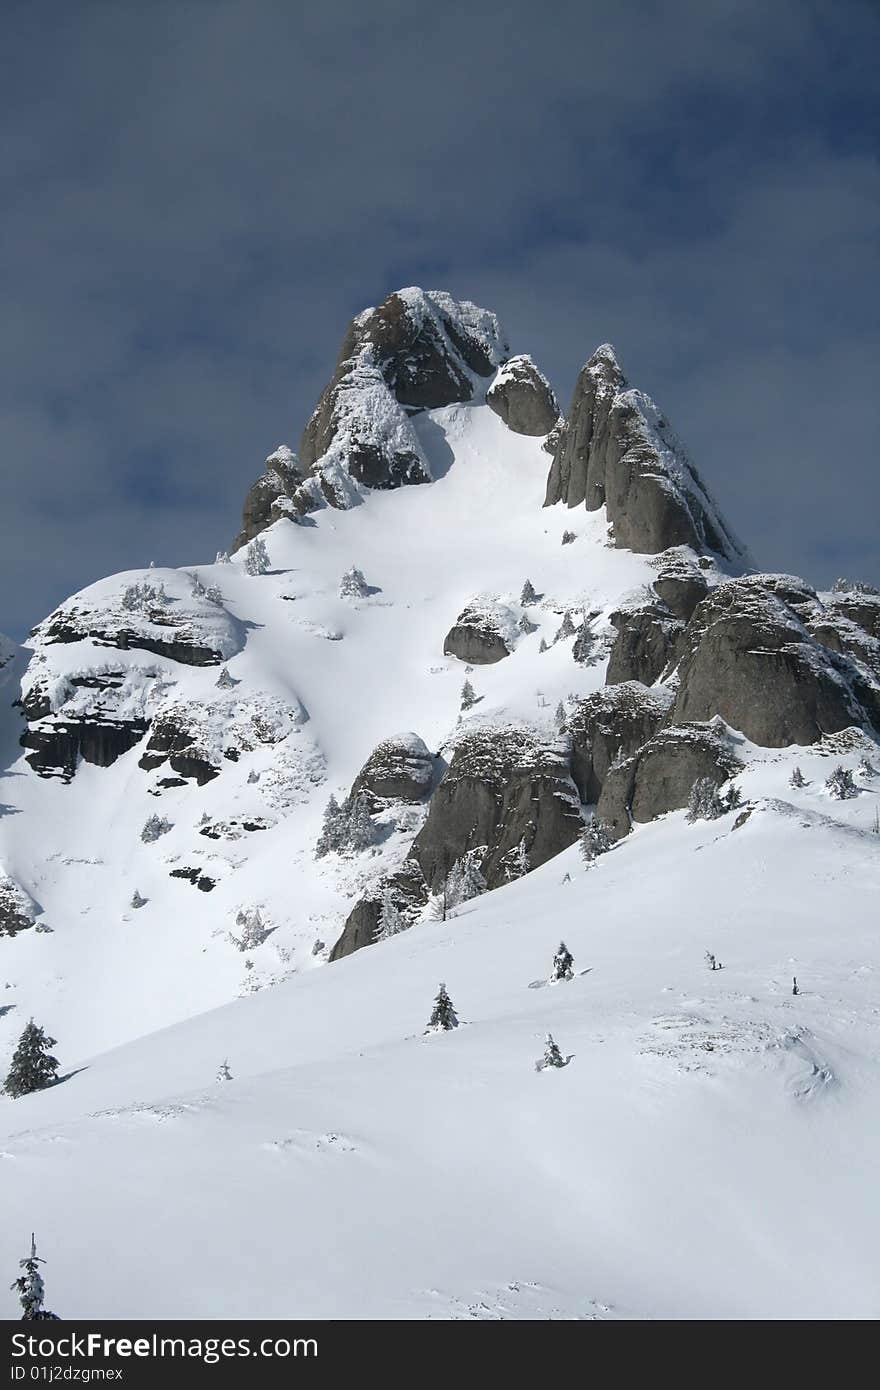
198 195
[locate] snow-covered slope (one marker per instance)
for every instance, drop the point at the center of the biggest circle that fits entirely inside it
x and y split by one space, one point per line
709 1152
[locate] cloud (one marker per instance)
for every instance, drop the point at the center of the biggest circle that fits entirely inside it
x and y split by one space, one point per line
201 194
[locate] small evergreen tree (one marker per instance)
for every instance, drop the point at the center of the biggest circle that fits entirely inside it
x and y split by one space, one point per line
560 718
867 768
253 930
196 587
566 629
794 985
443 1016
516 861
711 961
221 558
528 594
543 646
797 779
353 584
464 881
137 900
256 557
223 1073
213 595
33 1068
361 832
562 963
391 920
876 826
840 784
706 802
526 626
595 840
468 696
154 827
30 1289
552 1056
333 829
568 537
224 681
582 651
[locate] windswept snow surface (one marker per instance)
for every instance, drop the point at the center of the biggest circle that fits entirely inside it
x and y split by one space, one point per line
710 1151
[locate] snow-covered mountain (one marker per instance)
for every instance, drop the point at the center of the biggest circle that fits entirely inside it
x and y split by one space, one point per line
455 625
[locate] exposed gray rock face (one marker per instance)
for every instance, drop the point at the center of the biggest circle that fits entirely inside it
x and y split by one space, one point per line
172 740
197 738
270 497
659 776
58 744
18 910
749 657
645 644
617 450
681 584
409 892
482 634
523 398
398 769
858 606
503 786
614 723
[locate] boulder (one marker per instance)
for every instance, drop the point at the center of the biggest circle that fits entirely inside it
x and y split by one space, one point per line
681 587
645 644
748 657
617 450
523 398
504 785
483 633
399 769
659 776
611 724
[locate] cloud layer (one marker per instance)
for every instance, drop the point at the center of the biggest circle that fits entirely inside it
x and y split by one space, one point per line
199 195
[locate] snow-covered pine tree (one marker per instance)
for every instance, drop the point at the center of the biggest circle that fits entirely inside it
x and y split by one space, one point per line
528 594
712 963
253 930
568 537
468 696
253 776
222 558
196 587
562 963
361 828
794 985
566 628
33 1067
137 900
867 768
31 1290
840 784
391 920
213 595
464 881
224 681
526 626
223 1072
333 829
876 826
797 779
543 646
256 557
595 840
552 1056
706 802
353 584
582 651
560 719
154 827
443 1016
516 861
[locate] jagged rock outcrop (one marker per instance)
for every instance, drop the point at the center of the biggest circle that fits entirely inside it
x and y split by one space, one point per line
858 604
484 632
399 769
523 398
270 497
18 911
659 776
409 893
503 786
749 657
418 350
195 738
645 645
616 449
682 582
612 724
